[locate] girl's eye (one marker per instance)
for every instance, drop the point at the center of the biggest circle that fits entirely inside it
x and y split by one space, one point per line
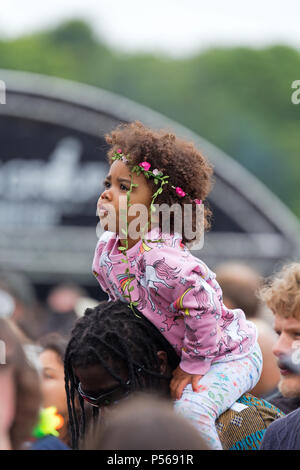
107 184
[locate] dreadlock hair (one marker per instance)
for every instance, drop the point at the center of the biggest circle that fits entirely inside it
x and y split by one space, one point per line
114 337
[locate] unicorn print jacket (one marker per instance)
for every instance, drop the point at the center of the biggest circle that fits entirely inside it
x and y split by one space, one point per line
179 294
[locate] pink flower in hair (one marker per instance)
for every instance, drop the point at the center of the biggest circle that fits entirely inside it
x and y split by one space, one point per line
198 201
119 151
145 165
180 192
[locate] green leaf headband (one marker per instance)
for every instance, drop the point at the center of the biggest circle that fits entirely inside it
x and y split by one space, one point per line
144 167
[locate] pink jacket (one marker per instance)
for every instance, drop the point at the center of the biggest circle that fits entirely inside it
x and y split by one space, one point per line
179 294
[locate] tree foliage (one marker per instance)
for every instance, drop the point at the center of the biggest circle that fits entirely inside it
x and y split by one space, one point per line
238 98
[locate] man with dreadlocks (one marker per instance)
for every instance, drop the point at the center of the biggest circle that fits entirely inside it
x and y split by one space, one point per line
113 352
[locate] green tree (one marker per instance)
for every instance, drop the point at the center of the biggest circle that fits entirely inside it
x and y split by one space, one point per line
238 98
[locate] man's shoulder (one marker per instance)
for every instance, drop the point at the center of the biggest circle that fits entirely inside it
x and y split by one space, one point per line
289 420
284 433
287 405
242 427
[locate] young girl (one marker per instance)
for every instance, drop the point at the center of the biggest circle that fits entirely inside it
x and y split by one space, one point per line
157 273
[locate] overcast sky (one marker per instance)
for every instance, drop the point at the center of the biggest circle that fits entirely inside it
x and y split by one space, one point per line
176 27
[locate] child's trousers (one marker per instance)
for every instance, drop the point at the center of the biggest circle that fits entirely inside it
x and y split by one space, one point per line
219 389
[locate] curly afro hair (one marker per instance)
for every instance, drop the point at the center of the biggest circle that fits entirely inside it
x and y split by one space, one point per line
282 292
185 165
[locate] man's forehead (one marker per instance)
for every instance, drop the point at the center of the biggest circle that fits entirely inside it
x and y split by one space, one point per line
286 323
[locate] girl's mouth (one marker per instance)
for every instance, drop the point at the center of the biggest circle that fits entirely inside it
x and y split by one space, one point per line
102 212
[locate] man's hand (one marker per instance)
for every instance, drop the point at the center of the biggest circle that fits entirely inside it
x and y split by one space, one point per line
180 380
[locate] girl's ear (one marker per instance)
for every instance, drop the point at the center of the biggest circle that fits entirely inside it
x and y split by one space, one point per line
163 361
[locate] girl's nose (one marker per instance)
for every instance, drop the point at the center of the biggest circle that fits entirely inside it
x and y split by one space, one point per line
106 194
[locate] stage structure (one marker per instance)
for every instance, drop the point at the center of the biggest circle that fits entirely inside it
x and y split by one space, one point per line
52 164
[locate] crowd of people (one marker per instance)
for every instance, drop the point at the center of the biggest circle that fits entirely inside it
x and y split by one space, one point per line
123 360
178 356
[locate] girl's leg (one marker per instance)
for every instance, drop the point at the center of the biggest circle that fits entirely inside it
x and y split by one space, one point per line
219 388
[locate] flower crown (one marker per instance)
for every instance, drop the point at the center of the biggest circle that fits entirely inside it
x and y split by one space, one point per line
144 167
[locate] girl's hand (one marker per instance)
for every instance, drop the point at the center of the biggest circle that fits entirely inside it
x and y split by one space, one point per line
180 380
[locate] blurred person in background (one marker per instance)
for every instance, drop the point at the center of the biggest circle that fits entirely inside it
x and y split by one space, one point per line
64 304
7 311
144 422
61 308
27 313
53 347
240 285
282 295
20 394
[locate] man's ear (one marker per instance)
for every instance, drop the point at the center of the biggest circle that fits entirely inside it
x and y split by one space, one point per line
163 361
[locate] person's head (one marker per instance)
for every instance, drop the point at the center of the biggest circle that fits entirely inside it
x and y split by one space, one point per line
64 297
20 394
282 295
144 422
240 284
113 352
181 161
